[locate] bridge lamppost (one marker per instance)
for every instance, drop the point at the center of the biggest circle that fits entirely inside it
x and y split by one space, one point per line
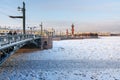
31 29
34 29
23 16
41 25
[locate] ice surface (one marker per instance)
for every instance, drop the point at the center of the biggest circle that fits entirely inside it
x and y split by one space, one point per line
85 59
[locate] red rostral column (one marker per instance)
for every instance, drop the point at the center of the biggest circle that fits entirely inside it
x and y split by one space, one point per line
66 32
72 30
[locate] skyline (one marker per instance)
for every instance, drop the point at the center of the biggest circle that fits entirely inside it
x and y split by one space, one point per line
86 15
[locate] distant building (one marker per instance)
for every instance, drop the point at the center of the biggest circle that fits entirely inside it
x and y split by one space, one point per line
115 34
50 32
104 33
4 31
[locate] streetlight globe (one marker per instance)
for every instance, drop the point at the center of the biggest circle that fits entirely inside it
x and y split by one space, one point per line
19 9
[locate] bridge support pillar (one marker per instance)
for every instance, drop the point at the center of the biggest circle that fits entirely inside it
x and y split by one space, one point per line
46 43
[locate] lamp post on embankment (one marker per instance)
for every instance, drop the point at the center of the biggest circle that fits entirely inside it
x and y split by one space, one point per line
22 17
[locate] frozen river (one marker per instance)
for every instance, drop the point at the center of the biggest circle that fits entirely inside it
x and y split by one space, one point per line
85 59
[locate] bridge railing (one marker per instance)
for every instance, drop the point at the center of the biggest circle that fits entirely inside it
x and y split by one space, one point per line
8 39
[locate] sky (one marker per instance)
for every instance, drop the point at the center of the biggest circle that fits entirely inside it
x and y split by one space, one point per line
86 15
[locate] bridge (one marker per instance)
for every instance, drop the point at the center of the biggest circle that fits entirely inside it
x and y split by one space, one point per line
9 44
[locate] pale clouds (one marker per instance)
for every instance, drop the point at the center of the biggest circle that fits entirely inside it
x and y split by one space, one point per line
81 5
87 15
104 26
104 7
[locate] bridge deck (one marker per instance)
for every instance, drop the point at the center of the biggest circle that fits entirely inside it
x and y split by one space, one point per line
11 43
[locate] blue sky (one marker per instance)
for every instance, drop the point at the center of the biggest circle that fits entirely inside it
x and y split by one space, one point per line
87 15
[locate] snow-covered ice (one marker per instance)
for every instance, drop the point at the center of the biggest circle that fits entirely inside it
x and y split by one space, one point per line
85 59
